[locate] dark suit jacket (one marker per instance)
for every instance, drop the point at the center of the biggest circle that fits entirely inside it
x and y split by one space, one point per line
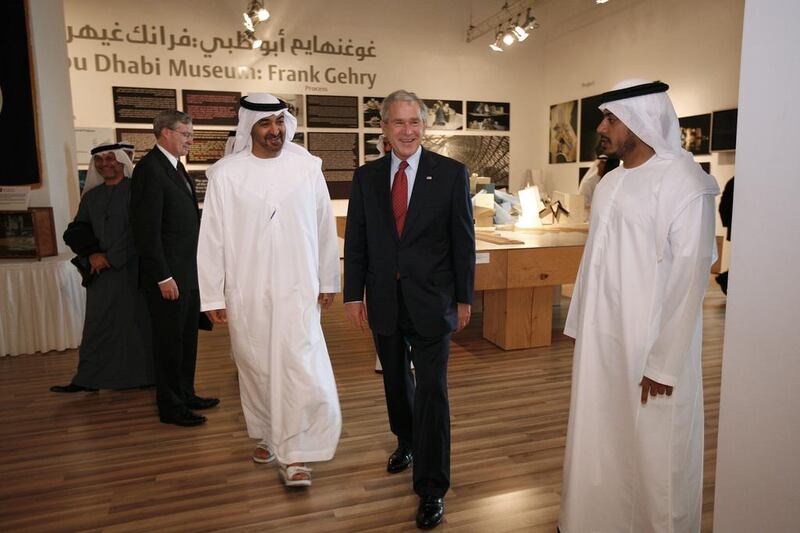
435 256
165 222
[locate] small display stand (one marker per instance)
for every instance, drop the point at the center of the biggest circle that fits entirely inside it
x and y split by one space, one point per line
28 234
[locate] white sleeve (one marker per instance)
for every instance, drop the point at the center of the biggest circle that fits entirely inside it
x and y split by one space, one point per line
211 249
693 247
330 279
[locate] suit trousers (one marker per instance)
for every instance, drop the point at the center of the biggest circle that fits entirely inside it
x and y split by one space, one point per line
174 324
419 411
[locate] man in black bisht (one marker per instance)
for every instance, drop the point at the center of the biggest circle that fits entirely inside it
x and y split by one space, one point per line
116 349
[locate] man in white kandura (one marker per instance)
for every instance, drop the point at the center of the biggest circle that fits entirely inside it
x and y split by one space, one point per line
634 456
268 260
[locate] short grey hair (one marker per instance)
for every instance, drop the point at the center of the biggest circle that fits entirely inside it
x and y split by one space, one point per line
402 95
169 119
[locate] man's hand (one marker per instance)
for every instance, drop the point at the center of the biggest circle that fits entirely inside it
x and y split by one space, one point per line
464 312
325 299
99 262
169 289
653 388
356 313
217 316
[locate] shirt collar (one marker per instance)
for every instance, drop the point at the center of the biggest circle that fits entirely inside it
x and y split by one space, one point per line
413 160
172 159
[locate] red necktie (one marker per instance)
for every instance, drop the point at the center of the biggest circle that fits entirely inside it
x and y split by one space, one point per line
400 197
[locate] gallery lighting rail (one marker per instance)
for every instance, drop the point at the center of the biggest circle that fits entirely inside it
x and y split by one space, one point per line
255 14
512 24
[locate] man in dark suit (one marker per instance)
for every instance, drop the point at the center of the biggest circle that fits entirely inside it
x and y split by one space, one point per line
410 243
165 221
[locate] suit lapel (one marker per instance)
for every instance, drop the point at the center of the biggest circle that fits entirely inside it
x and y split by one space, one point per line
421 189
384 194
174 174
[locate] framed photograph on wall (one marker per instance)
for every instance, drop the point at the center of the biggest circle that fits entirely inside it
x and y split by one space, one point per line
564 132
590 119
696 133
723 130
28 234
17 97
445 114
488 116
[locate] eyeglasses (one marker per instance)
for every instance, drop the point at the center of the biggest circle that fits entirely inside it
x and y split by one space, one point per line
188 135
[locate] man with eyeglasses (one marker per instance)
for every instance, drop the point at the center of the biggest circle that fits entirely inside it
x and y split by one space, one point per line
166 221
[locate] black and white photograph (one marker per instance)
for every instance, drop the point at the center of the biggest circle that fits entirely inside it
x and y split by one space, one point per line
696 133
564 132
371 148
488 116
296 107
372 111
723 130
590 119
485 155
445 114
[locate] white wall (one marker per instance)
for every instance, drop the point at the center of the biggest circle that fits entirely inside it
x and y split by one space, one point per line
693 45
420 46
758 456
54 114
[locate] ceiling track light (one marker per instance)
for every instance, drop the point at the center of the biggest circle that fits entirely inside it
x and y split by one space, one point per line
508 25
255 14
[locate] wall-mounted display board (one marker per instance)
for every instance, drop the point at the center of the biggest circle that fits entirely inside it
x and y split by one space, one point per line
140 105
30 233
488 116
296 107
300 139
372 111
142 140
211 108
339 154
200 184
485 155
696 133
208 147
332 111
590 119
88 138
445 114
18 119
723 130
564 132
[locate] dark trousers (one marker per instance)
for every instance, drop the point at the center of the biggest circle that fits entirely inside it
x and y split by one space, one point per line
419 413
174 325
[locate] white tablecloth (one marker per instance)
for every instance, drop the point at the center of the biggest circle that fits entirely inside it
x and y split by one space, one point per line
41 305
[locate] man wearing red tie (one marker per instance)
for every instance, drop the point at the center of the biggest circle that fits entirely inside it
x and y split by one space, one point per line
410 243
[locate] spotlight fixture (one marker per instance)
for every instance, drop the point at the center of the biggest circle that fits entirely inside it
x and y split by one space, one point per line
253 16
509 25
600 1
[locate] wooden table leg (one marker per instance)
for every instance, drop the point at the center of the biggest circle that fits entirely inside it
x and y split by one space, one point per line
518 318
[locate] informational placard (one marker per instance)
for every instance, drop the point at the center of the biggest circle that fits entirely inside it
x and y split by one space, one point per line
88 138
208 147
332 111
140 105
200 184
141 139
489 116
211 108
339 154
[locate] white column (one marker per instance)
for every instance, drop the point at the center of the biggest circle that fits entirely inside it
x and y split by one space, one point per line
758 455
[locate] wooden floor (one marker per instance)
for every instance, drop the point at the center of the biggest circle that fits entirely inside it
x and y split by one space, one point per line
102 461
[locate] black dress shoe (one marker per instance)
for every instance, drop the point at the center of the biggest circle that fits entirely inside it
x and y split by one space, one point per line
71 388
400 459
185 418
198 403
430 512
